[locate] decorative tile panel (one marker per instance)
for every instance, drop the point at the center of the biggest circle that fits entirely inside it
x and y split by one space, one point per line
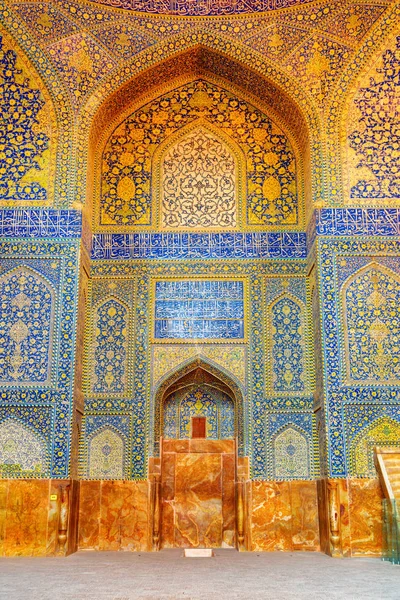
26 327
287 342
372 264
358 221
133 168
199 309
26 130
382 432
23 453
199 245
111 323
371 322
290 445
40 222
105 447
141 401
169 357
198 182
374 134
37 389
291 454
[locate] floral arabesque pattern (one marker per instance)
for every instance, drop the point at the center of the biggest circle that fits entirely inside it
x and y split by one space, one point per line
288 355
198 183
372 326
126 189
110 349
27 306
21 145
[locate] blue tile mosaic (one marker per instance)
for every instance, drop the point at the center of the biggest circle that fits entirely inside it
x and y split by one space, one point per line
199 310
199 245
40 222
358 221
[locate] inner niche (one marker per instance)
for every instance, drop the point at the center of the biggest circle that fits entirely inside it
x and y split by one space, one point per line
198 183
198 406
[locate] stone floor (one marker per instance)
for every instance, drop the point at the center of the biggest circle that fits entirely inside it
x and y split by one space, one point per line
168 576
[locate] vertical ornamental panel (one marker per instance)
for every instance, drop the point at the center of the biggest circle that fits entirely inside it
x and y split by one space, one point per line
372 326
26 327
291 454
110 347
288 346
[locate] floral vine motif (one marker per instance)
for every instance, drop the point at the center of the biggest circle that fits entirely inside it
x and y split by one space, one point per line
372 327
25 326
291 454
106 455
198 183
377 139
287 346
110 350
21 145
21 451
127 158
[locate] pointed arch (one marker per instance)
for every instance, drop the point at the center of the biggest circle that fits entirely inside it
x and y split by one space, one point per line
370 317
291 453
228 175
272 92
106 454
124 183
23 452
27 318
383 431
184 370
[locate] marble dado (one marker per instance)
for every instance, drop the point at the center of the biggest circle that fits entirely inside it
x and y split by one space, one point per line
198 493
33 514
284 516
114 515
357 505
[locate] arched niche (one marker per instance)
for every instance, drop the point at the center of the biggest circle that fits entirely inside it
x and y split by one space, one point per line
195 374
106 452
191 64
291 453
23 452
203 401
383 431
206 167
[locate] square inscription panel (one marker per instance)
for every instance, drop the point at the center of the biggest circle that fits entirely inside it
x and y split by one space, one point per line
199 309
